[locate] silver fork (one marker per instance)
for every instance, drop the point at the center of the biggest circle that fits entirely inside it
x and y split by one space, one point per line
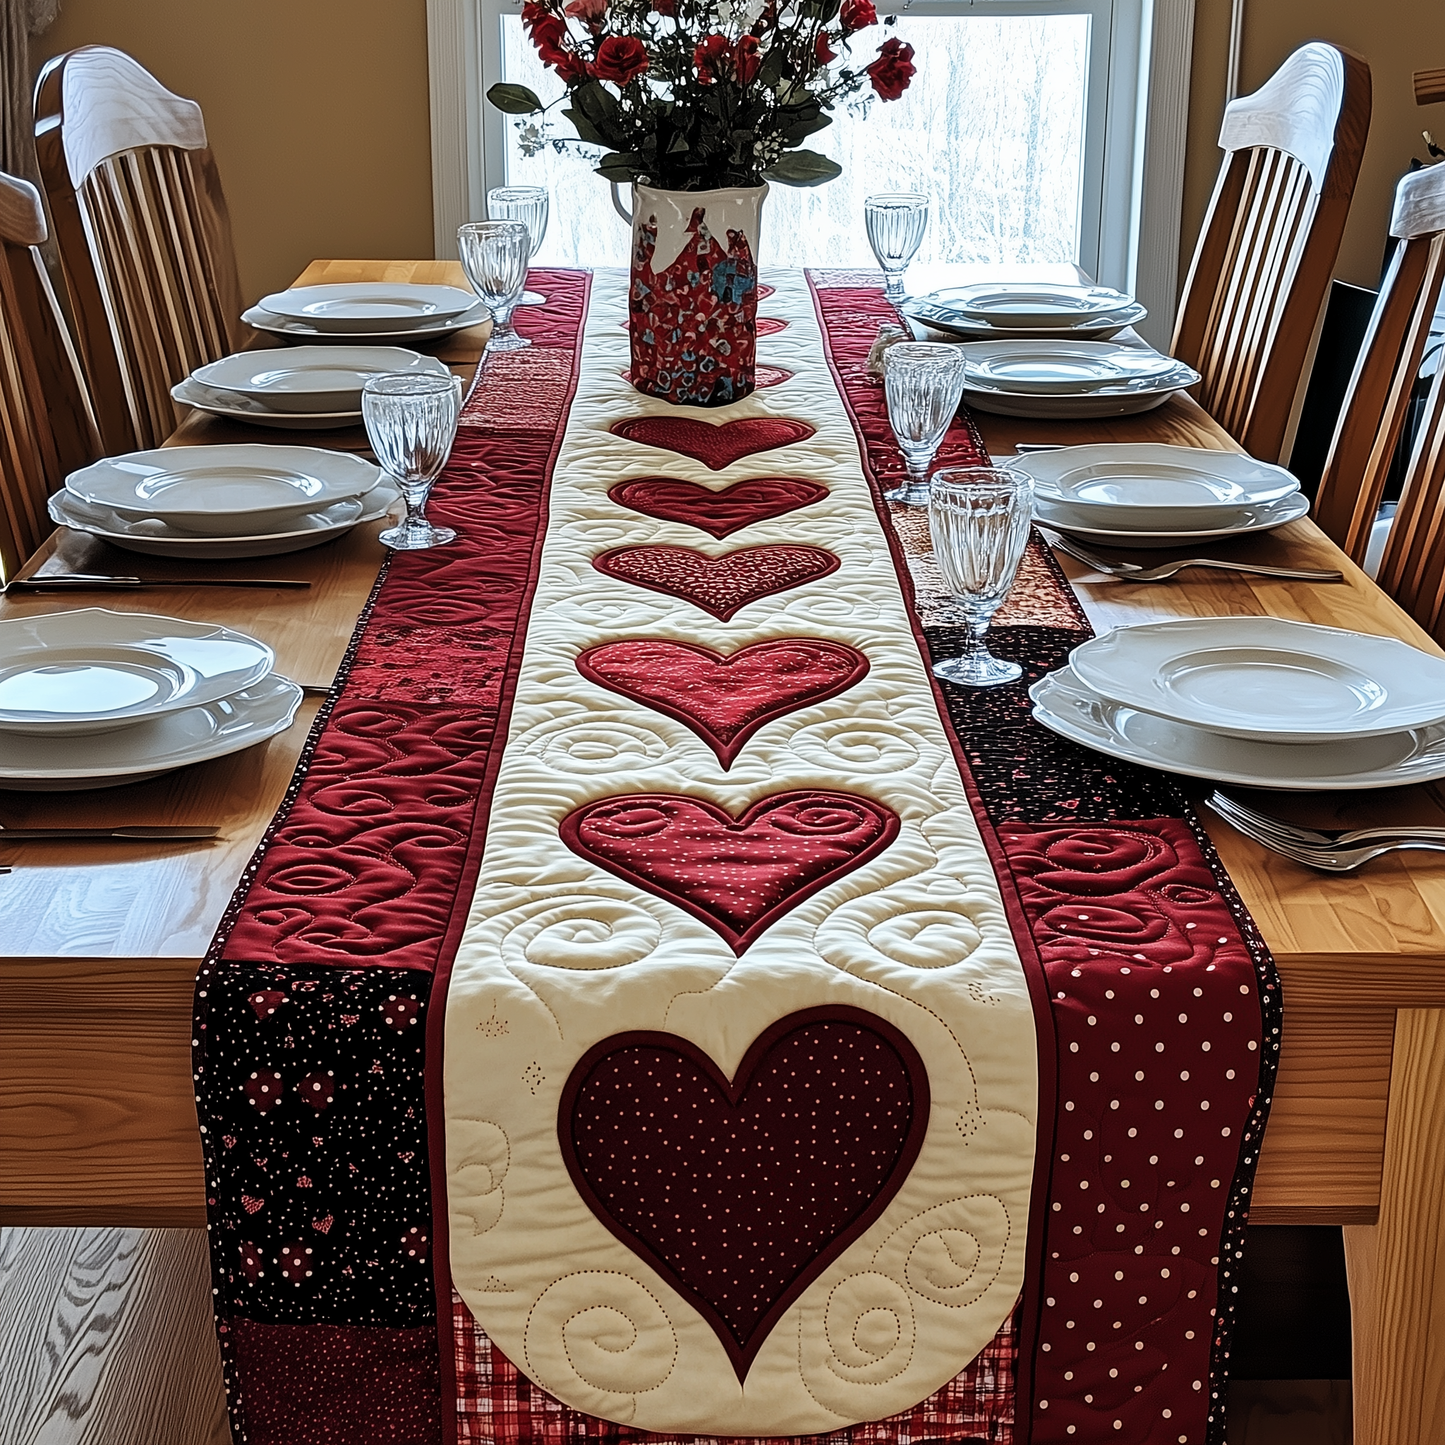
1329 855
1133 572
1298 835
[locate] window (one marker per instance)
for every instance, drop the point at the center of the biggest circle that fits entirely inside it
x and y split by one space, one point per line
1026 123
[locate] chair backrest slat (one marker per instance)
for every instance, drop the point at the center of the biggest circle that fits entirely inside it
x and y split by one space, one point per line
143 234
1263 263
46 426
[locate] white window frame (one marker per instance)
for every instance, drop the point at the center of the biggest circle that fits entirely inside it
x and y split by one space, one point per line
1133 186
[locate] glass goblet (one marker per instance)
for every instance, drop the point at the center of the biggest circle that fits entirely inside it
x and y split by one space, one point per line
411 421
530 205
896 222
979 518
494 255
923 381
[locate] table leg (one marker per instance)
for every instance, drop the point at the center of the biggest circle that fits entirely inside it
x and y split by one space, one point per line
1397 1266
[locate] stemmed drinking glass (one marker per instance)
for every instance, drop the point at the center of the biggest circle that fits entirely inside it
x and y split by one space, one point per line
494 255
896 222
923 381
411 421
530 205
979 518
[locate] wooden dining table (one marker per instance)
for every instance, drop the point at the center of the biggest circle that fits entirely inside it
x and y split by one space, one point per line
100 941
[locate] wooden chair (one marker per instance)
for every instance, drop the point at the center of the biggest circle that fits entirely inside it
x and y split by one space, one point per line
46 426
1412 568
143 234
1271 235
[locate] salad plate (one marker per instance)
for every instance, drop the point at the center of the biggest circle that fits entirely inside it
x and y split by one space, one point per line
1240 523
240 408
1064 367
369 306
310 379
1027 305
263 320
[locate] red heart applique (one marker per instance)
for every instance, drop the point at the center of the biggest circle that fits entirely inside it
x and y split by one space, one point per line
823 1122
719 585
739 875
724 699
715 445
719 513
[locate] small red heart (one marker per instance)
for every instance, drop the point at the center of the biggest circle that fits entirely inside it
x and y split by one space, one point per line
400 1013
266 1001
719 585
767 325
739 875
724 699
318 1089
719 513
251 1205
716 445
263 1089
323 1226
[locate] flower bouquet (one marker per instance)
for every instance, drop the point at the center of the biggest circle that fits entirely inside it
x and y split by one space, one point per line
700 103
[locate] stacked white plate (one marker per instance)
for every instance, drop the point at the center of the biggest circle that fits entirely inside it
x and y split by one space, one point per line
223 501
1069 378
998 310
354 311
1259 702
94 699
1139 494
304 388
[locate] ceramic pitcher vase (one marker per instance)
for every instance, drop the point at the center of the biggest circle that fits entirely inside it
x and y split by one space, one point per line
693 301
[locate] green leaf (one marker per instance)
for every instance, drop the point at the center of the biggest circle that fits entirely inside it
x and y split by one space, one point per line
598 104
802 129
677 145
803 168
514 99
586 131
617 168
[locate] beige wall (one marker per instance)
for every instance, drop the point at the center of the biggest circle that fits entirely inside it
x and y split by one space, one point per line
317 111
1397 37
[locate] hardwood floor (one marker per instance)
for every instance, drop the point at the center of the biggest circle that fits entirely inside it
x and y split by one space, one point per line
106 1339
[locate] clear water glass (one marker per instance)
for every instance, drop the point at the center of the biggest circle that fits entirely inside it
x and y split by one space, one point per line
494 255
531 205
411 422
896 222
979 518
923 381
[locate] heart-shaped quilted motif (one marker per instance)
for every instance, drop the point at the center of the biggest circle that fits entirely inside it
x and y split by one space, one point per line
724 700
720 585
741 1191
720 513
715 445
739 875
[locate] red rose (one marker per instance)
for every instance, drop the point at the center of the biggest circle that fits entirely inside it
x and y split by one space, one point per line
531 13
620 58
710 57
746 60
589 12
893 69
569 66
857 15
824 53
548 32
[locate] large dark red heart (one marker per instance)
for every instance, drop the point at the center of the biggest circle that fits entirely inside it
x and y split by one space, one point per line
720 513
715 444
741 1191
720 585
724 700
739 875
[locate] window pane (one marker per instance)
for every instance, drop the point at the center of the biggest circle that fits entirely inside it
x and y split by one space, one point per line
992 128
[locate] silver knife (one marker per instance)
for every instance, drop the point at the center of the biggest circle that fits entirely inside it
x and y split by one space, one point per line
27 835
87 581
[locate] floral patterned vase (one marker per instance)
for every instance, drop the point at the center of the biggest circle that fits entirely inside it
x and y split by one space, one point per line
693 302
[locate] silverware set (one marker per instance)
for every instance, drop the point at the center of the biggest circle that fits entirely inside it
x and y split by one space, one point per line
98 582
1329 851
139 834
1134 572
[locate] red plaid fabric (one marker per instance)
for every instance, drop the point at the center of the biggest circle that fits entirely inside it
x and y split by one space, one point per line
498 1405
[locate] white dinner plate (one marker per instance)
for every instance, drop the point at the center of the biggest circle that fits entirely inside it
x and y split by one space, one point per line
1126 399
369 306
155 539
234 407
931 311
1067 706
233 491
193 735
1266 678
1064 367
1144 486
263 320
65 674
309 379
1025 305
1240 524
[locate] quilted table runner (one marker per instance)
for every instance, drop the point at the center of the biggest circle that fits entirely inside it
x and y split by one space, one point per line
661 1013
